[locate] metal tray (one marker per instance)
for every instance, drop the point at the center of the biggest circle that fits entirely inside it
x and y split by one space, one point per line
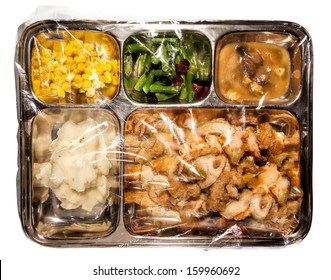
296 101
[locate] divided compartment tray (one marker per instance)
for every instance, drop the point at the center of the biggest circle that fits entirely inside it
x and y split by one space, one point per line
107 105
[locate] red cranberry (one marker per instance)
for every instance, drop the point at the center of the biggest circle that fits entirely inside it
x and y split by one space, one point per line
177 80
182 66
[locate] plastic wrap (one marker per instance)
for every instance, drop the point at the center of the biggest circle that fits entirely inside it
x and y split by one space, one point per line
164 133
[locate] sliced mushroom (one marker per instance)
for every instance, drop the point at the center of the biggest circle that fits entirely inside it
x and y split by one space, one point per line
256 74
250 60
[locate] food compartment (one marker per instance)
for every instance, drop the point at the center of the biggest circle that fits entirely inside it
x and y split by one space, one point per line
75 66
75 173
208 172
260 68
169 67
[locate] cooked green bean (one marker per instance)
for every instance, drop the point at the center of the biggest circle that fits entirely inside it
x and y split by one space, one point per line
149 81
164 97
137 48
189 85
164 89
140 83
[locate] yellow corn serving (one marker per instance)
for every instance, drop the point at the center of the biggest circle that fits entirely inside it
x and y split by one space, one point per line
73 66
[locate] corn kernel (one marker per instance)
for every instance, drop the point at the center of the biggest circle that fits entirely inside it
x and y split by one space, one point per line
45 60
109 67
76 85
57 72
102 78
81 67
72 66
88 71
86 76
83 57
77 82
90 92
89 48
63 69
56 79
78 78
67 87
69 60
107 77
87 84
50 67
88 63
61 93
68 51
77 59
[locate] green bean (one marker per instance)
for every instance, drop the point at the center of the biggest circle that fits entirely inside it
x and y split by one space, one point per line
159 72
178 57
155 60
189 85
164 89
204 74
183 91
183 94
164 97
140 83
144 63
141 64
137 48
190 56
149 81
137 96
164 59
182 52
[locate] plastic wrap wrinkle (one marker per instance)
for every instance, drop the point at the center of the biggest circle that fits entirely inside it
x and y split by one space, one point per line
163 133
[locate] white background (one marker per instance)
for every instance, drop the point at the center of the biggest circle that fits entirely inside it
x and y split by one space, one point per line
309 259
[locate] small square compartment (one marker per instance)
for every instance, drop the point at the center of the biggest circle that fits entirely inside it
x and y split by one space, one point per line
74 66
201 173
75 173
258 68
167 67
